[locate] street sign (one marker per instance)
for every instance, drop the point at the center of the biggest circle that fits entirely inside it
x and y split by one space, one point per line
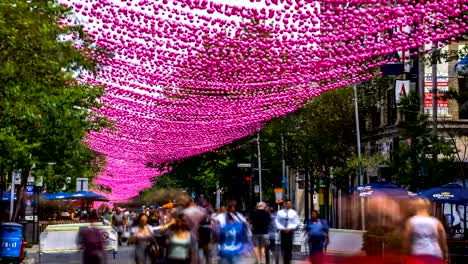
402 89
81 184
279 195
31 180
285 182
257 189
244 165
29 189
17 176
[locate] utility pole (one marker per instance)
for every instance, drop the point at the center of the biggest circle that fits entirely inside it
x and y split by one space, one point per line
259 168
12 195
434 89
358 135
218 196
306 193
284 180
421 80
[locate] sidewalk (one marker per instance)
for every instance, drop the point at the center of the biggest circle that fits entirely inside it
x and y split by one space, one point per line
124 256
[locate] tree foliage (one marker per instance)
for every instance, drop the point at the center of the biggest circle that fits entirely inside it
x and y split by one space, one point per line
321 135
44 112
422 160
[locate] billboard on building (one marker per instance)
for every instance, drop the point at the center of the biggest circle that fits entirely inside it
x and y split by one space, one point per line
442 88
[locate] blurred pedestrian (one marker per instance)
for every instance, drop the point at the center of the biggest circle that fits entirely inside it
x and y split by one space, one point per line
231 235
287 221
180 245
154 217
273 236
118 221
260 220
145 243
91 241
317 233
193 215
205 234
424 236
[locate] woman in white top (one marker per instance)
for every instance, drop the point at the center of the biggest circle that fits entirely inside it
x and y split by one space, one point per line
425 235
179 242
142 237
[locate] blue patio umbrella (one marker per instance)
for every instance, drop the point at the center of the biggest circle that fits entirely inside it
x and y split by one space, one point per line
57 196
90 196
383 188
462 66
7 196
449 193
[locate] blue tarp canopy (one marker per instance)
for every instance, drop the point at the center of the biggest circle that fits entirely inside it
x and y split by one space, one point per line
83 195
449 193
382 188
57 196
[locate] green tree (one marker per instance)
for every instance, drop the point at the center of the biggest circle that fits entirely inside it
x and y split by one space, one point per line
44 111
421 160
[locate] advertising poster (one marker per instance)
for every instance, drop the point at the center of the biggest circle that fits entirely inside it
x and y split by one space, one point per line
442 88
456 220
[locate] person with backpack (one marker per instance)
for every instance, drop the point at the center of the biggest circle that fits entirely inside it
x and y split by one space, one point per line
232 233
317 231
91 241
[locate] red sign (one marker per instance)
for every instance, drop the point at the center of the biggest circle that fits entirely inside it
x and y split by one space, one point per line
442 87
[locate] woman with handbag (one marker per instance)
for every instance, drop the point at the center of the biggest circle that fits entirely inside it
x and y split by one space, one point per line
143 238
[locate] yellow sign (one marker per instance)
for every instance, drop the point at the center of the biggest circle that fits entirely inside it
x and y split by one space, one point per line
279 195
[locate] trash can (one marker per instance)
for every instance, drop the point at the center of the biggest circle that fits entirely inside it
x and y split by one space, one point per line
11 240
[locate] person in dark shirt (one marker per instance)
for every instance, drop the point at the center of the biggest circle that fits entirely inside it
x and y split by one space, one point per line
260 221
91 241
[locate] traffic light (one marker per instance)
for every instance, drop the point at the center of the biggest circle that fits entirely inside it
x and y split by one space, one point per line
247 178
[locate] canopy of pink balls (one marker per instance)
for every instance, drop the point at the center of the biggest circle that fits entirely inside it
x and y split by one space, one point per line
189 76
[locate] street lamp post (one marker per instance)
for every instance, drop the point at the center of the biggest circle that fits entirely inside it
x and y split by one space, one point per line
358 135
434 89
260 189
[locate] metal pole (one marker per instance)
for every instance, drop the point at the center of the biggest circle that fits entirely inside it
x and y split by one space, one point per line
283 164
218 196
434 90
12 195
358 135
259 168
422 80
306 193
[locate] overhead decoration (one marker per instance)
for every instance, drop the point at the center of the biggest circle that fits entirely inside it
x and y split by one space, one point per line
189 76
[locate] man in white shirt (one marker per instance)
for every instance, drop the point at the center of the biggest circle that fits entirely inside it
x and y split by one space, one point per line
286 222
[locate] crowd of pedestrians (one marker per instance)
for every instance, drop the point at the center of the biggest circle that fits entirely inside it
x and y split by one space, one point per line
190 233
